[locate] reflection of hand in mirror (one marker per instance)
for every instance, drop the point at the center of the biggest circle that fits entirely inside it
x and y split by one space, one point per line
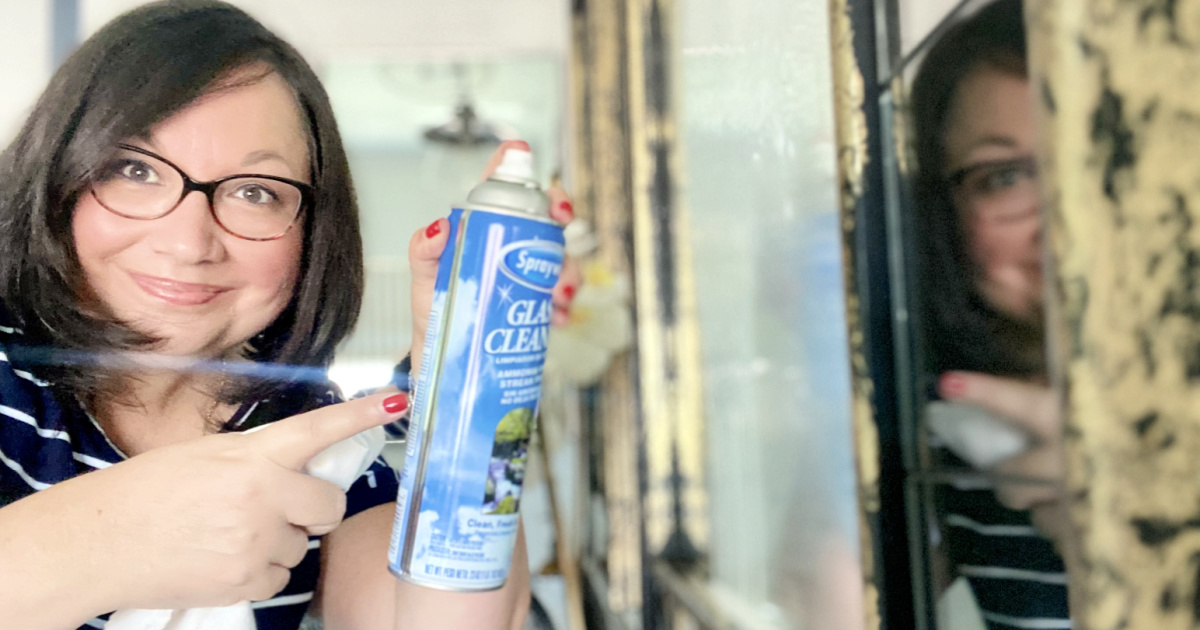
974 433
1030 407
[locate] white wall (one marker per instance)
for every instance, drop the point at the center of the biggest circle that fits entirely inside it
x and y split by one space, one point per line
25 60
395 28
321 29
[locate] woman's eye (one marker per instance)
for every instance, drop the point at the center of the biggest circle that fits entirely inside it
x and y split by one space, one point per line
135 171
256 194
1002 177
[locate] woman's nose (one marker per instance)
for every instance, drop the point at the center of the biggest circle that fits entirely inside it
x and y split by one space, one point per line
188 233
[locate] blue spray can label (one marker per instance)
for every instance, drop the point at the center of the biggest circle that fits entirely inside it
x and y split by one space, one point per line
477 392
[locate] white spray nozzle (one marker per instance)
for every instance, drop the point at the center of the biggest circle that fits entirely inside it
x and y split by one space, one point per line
516 164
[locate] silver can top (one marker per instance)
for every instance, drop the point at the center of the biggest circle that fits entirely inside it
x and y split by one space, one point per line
512 187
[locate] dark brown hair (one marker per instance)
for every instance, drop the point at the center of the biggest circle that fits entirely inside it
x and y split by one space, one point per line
137 71
961 329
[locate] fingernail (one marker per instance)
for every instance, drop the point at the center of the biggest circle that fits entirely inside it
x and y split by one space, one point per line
566 206
521 144
395 403
952 385
433 229
569 291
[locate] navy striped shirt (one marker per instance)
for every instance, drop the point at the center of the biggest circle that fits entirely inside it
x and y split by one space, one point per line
1017 576
45 440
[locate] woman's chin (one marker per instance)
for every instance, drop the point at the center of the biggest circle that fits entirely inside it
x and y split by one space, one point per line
1022 306
193 349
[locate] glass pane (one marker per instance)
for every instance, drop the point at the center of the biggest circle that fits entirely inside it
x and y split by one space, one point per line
757 96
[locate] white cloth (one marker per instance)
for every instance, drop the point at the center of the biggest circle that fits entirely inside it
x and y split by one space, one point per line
340 464
974 434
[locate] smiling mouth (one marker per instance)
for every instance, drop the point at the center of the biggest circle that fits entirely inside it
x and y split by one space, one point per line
178 293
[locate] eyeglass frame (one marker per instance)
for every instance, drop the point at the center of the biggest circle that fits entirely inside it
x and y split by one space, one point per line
958 177
209 189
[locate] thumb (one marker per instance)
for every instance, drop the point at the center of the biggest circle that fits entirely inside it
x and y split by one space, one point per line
294 441
1029 406
424 250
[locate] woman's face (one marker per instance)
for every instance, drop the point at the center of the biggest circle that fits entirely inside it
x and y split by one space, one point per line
990 158
181 277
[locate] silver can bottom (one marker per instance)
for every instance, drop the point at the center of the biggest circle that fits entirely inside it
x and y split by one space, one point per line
412 579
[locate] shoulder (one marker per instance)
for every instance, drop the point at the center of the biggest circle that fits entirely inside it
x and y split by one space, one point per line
45 436
19 359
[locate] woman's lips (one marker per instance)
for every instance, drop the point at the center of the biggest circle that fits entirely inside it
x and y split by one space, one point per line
179 293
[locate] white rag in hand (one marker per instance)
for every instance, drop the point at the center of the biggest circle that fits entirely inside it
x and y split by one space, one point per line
974 433
341 464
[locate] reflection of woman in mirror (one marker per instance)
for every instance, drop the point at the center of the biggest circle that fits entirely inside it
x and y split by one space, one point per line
980 272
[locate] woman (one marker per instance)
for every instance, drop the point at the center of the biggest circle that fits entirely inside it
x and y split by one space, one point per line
124 480
980 269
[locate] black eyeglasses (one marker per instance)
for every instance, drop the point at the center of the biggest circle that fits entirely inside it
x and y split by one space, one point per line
994 175
137 184
998 189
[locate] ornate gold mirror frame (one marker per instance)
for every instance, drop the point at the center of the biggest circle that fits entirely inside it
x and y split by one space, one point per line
852 145
1118 112
650 416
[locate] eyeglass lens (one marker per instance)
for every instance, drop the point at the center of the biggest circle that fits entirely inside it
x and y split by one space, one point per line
1000 189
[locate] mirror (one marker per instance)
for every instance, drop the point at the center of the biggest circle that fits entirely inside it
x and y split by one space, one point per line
984 461
759 172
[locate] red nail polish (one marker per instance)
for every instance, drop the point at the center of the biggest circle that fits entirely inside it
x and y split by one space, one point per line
433 229
952 385
520 144
569 291
395 403
568 208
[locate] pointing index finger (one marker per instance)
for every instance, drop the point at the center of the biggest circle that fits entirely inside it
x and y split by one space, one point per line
293 441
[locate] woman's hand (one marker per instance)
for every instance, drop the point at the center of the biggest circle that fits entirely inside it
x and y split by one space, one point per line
1037 410
208 522
1033 408
426 246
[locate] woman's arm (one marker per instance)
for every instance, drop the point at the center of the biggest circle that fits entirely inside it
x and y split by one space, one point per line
53 567
357 592
208 522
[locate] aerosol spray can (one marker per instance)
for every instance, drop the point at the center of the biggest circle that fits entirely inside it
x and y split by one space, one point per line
477 392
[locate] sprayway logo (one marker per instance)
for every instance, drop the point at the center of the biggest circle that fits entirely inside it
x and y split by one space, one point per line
535 264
